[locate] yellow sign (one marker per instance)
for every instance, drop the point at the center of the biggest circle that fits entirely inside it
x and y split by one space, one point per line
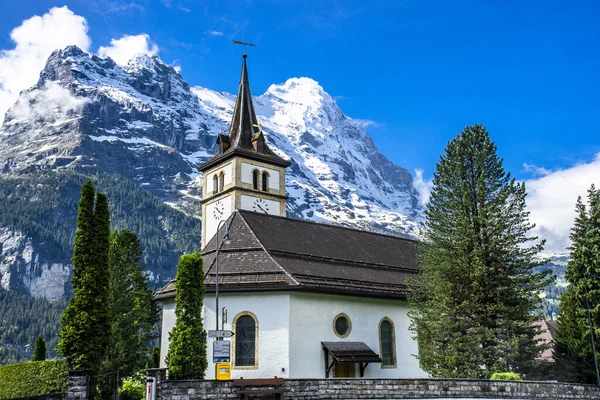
223 371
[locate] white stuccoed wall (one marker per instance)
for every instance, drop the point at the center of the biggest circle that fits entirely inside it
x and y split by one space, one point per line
312 318
273 313
247 175
293 325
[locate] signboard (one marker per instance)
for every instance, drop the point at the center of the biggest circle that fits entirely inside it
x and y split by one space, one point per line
220 334
221 351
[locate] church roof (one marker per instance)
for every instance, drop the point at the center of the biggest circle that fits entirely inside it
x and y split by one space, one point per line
245 136
276 253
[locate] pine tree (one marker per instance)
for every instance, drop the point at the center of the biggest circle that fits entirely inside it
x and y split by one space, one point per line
474 301
573 348
133 313
186 358
84 325
39 351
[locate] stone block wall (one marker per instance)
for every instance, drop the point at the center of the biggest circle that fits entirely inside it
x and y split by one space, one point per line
321 389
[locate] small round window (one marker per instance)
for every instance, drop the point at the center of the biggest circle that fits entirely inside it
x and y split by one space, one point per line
342 325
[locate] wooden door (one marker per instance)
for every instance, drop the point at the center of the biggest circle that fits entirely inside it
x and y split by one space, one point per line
343 370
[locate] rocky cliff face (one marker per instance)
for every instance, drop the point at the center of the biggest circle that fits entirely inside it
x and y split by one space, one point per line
143 122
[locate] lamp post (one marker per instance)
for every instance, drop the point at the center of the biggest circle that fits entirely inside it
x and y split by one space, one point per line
587 306
226 240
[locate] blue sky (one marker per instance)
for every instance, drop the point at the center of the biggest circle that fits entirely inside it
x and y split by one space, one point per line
418 70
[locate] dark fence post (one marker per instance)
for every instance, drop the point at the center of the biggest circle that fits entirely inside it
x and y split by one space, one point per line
79 385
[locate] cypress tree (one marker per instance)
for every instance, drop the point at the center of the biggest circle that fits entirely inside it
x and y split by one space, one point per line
186 358
84 325
39 351
474 301
573 351
133 312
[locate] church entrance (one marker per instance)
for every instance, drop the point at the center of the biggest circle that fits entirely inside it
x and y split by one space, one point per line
343 370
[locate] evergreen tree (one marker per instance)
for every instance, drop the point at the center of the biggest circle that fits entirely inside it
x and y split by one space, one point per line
573 348
39 351
186 358
474 301
133 313
84 325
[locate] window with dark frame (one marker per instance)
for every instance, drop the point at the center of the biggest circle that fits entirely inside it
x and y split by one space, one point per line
386 340
255 179
221 181
215 184
265 182
245 341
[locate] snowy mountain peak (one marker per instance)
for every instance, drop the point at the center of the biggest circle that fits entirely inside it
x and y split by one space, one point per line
144 122
301 91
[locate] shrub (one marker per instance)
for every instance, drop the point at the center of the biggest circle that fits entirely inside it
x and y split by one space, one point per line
506 376
33 378
132 389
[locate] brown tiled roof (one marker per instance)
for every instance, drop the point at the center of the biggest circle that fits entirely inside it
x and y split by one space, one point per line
276 253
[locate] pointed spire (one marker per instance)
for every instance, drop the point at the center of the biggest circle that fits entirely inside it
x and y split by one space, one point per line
244 127
245 136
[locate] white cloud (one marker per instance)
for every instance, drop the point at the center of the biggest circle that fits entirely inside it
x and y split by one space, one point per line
35 39
551 201
124 49
423 186
368 122
51 101
535 170
214 33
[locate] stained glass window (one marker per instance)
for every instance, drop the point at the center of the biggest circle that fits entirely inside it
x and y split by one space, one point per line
342 325
386 337
245 341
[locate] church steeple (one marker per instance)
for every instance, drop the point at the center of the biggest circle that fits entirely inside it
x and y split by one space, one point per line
244 125
244 174
245 135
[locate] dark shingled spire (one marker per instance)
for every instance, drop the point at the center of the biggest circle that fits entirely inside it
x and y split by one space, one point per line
244 125
245 137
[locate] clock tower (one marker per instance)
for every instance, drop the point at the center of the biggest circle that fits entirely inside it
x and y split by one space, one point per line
245 173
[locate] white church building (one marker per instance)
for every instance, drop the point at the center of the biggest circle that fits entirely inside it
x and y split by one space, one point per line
303 299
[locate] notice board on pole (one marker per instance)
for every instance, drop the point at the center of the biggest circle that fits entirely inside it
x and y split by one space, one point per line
221 351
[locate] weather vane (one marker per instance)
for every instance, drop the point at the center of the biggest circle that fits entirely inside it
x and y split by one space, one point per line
244 43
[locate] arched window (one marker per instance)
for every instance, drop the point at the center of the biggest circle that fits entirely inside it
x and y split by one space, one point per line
221 181
255 179
387 343
246 331
215 184
265 181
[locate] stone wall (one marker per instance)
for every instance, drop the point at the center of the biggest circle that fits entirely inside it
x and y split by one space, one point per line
321 389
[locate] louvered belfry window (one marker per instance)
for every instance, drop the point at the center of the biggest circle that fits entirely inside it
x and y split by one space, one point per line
245 341
386 337
265 182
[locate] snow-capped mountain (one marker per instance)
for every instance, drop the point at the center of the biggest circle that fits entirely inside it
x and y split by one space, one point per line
145 123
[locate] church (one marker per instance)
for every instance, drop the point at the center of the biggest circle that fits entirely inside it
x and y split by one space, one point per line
303 299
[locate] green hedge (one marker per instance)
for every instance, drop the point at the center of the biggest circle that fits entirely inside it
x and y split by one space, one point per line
505 376
33 378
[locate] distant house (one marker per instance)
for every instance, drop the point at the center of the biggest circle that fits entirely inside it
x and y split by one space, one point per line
546 336
305 299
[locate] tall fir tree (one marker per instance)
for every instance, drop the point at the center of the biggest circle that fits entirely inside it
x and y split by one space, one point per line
186 358
133 312
84 325
39 351
474 301
573 350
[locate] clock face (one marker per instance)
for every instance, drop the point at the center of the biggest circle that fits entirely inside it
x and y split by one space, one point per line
219 210
260 205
